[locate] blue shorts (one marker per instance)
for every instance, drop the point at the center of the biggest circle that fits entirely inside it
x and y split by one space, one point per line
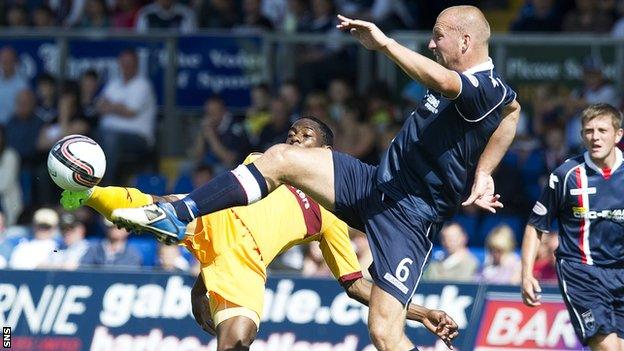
594 297
399 233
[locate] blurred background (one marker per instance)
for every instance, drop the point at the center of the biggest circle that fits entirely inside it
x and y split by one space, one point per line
176 91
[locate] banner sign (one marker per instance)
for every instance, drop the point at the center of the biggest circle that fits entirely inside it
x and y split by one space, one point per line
100 311
207 65
508 324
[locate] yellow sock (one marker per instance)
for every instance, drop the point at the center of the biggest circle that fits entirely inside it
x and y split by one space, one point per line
106 199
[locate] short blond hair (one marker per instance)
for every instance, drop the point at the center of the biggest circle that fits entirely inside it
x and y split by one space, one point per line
602 109
502 237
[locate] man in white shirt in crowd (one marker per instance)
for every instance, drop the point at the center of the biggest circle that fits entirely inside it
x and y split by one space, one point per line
128 109
31 253
74 244
11 83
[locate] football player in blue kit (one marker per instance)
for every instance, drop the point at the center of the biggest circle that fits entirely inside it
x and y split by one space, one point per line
586 197
461 130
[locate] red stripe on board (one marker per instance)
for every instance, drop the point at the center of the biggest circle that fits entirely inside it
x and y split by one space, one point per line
579 184
310 209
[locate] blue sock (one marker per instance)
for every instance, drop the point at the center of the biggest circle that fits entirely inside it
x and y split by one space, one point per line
242 186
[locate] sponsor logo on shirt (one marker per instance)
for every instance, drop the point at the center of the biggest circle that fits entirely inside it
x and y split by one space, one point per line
615 215
431 103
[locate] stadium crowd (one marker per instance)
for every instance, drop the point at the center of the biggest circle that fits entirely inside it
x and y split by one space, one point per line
121 113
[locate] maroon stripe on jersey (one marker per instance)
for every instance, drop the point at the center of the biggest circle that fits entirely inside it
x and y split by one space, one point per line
310 209
351 276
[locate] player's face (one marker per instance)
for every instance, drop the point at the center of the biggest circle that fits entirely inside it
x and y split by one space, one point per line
600 137
304 133
445 43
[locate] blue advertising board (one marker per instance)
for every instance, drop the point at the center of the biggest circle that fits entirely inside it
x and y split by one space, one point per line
227 65
100 311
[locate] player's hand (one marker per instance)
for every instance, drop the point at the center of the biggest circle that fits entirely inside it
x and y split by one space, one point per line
201 311
71 200
531 292
442 325
482 193
366 33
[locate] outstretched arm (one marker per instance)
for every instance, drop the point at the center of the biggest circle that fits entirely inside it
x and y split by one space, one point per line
422 69
437 322
482 193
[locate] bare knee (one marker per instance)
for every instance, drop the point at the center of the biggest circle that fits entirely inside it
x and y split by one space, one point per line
236 334
278 162
384 337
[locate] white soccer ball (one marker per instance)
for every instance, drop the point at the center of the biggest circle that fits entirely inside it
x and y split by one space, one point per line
76 163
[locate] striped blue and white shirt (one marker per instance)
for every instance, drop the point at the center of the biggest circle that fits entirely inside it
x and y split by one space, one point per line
588 203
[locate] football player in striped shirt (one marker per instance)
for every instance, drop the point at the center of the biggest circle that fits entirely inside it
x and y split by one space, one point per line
586 196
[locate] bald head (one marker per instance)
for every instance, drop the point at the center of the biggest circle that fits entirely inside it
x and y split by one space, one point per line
468 20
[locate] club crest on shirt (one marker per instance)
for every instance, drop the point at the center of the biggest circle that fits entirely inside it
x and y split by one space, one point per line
588 320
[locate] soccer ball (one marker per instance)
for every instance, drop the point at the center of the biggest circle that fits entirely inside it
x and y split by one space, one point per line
76 163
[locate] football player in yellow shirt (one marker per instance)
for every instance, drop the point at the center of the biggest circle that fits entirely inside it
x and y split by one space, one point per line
235 246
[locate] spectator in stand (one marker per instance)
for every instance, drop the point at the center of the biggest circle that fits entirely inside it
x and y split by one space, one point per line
70 119
388 14
74 245
166 14
30 253
289 91
357 138
258 114
502 264
171 260
43 17
25 127
125 14
544 268
17 17
313 263
253 19
587 17
128 109
89 88
221 14
113 251
10 192
277 130
11 83
457 263
538 16
595 89
317 104
275 11
96 15
318 63
67 13
46 109
222 140
297 18
339 92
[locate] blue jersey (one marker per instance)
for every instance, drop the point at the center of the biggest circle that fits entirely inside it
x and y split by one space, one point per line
434 155
588 203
